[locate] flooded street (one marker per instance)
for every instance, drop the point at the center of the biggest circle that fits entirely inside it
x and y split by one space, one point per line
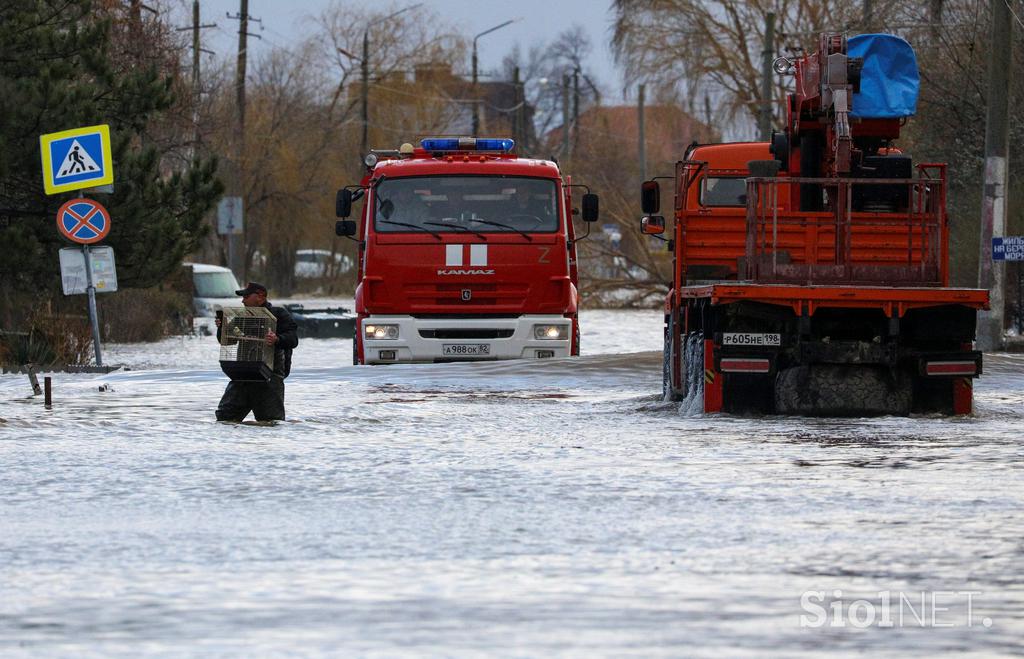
513 508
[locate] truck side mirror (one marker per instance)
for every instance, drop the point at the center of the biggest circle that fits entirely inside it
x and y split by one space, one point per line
343 203
652 224
345 228
650 197
590 207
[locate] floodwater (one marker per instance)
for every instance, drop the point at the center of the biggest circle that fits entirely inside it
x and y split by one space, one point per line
513 508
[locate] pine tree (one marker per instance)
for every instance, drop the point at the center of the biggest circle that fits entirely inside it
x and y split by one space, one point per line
71 63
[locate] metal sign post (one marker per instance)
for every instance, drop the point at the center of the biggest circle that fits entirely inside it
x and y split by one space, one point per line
91 290
230 223
86 221
75 160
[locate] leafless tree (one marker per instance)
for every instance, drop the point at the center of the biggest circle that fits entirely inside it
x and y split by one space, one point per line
697 49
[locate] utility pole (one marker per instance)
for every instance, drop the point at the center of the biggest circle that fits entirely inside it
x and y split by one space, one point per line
524 126
935 18
767 56
867 16
196 78
641 138
364 95
195 54
566 152
235 260
135 25
236 242
992 274
516 125
135 8
575 108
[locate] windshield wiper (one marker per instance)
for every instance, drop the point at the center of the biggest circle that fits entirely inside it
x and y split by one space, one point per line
412 226
456 226
503 226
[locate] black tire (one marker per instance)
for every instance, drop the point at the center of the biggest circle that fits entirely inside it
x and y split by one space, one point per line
842 390
355 351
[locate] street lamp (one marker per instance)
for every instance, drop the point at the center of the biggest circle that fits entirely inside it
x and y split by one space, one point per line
476 102
366 73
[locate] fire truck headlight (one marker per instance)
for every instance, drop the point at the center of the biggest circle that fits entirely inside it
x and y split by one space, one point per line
551 332
380 332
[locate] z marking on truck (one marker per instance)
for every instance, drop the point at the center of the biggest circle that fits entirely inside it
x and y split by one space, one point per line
748 339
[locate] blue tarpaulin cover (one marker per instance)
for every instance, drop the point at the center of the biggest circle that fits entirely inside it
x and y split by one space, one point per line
889 81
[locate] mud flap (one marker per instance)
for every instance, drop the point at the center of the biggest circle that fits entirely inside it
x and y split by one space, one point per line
963 396
712 378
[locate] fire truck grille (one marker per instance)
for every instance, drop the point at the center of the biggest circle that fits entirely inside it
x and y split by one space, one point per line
461 333
470 295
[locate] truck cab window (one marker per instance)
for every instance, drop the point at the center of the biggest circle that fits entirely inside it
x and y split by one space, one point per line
724 191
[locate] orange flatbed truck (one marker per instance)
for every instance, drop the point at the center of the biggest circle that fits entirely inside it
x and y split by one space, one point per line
811 272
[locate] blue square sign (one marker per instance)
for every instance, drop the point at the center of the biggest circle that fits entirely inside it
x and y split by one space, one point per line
1008 248
76 159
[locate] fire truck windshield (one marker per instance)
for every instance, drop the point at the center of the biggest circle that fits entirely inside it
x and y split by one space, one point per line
456 204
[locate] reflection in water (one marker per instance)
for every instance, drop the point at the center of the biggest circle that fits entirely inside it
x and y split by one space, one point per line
550 507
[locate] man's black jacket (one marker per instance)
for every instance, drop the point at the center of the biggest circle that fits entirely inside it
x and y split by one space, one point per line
287 339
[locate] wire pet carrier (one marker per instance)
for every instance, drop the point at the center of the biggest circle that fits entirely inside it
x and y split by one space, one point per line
244 353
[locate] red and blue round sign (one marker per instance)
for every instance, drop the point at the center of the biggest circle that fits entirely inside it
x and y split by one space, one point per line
84 221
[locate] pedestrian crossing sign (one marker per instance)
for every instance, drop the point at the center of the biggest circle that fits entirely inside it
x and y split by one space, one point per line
76 159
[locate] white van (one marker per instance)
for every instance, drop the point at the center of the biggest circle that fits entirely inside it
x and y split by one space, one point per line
213 287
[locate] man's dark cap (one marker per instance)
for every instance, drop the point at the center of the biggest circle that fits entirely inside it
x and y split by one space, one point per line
252 287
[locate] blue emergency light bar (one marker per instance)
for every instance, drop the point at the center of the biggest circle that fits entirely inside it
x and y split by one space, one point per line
468 144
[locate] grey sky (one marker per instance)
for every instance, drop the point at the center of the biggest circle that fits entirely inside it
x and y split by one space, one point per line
541 21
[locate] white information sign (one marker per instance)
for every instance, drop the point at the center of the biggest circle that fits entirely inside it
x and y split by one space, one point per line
72 270
229 216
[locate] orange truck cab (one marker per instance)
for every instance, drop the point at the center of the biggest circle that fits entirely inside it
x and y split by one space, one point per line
467 252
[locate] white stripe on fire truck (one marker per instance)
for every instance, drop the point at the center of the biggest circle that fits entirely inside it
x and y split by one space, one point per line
478 254
453 254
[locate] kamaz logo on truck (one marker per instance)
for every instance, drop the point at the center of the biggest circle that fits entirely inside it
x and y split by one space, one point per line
464 272
454 255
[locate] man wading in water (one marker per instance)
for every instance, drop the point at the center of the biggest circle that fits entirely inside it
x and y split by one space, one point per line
264 399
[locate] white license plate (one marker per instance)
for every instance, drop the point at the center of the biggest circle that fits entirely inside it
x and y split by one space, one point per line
751 339
466 349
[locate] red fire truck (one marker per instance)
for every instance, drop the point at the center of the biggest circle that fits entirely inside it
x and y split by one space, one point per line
811 272
467 252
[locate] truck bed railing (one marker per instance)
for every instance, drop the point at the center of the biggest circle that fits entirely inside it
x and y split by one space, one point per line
901 240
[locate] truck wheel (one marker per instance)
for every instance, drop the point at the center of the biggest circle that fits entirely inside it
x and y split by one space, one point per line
842 390
355 351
